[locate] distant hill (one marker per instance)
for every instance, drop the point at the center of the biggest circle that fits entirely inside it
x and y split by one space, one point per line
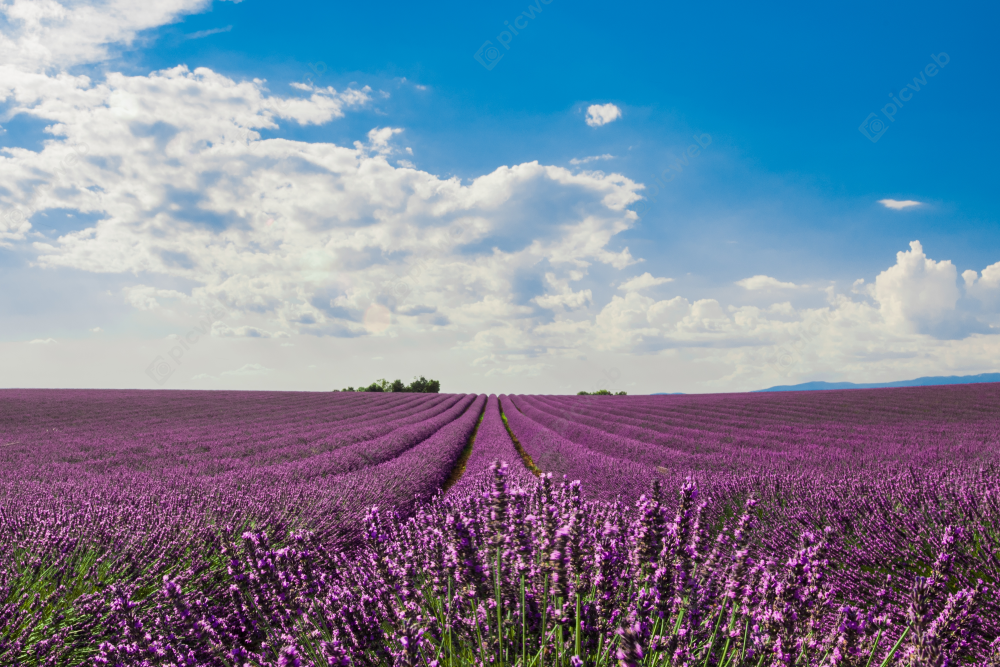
919 382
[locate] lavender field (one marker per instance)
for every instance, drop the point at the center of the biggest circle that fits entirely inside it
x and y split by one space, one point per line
275 528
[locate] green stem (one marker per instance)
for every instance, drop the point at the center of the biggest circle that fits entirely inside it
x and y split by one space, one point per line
711 641
499 611
545 609
451 650
578 625
559 628
524 632
743 650
479 635
878 638
894 648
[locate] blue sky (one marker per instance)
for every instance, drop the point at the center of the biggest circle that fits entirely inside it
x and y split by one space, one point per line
784 186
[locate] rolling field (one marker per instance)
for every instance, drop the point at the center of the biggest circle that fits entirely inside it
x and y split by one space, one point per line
855 527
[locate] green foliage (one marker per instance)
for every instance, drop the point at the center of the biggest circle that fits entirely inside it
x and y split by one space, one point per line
419 385
601 392
424 386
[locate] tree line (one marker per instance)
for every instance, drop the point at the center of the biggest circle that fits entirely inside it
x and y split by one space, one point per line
419 385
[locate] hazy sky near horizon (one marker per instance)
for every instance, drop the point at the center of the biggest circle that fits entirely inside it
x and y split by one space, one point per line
509 197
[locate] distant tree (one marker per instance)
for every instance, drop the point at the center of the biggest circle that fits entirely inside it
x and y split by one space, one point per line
601 392
419 385
424 386
380 385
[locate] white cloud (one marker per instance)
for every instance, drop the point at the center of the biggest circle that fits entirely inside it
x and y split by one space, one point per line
208 33
917 289
97 330
764 283
989 280
42 341
898 205
249 370
39 34
985 288
14 224
561 295
642 282
223 331
284 228
591 158
602 114
146 297
378 140
666 315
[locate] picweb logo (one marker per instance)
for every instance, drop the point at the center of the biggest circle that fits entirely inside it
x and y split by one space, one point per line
488 55
873 127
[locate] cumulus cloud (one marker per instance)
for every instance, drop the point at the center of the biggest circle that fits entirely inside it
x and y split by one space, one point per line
914 324
990 279
378 140
898 205
14 224
291 237
42 341
561 295
986 287
917 289
762 282
299 237
39 34
602 114
642 282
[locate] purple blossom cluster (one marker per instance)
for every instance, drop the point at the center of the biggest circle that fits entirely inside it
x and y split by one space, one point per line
278 528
